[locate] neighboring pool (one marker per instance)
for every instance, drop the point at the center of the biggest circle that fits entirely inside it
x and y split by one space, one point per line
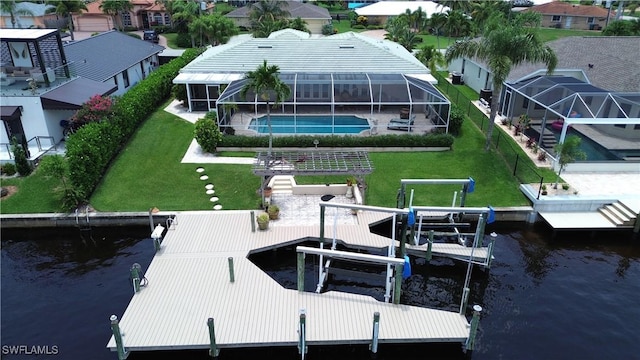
310 124
593 150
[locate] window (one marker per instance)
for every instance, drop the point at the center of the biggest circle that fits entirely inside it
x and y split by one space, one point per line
636 127
620 125
556 18
525 103
157 18
590 20
167 19
125 78
126 18
115 80
479 72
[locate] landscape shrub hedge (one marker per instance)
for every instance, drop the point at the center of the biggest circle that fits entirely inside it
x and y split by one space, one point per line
91 148
392 140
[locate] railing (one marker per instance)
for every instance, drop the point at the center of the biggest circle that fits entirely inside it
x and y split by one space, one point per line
517 161
7 146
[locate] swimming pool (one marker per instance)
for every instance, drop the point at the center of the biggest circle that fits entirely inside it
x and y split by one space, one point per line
310 124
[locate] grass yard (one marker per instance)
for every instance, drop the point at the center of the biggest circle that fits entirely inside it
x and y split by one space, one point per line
550 34
35 195
171 40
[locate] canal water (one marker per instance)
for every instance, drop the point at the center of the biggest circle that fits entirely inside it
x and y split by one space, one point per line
571 297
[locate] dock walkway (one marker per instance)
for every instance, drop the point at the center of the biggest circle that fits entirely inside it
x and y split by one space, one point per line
189 282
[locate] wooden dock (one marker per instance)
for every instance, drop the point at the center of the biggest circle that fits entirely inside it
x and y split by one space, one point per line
189 282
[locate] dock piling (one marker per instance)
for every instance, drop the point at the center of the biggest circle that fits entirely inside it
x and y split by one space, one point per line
115 329
135 277
398 284
465 299
302 334
474 327
376 332
253 221
232 277
213 348
430 245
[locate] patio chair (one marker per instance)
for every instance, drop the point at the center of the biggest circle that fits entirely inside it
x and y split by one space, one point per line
401 124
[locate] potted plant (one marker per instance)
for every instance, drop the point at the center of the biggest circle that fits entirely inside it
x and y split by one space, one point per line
263 221
273 211
350 182
267 191
544 189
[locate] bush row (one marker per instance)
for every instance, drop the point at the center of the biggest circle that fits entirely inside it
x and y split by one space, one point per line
91 148
392 140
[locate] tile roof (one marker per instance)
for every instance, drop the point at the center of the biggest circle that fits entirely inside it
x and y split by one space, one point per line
341 53
102 56
393 8
614 59
295 8
563 8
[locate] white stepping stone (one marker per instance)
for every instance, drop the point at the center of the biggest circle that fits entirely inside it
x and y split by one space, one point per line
200 169
217 207
204 177
211 192
214 199
208 186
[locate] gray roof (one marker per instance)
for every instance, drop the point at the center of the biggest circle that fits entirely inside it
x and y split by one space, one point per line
614 58
102 56
35 9
295 8
341 53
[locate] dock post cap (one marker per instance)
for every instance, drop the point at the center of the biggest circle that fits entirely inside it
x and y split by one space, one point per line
113 318
493 234
477 308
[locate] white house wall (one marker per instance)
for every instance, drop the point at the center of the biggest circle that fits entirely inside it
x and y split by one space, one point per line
33 120
135 75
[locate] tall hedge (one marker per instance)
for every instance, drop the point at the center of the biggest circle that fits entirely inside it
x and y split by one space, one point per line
91 148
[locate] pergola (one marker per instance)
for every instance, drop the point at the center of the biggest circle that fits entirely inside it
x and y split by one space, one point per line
573 101
340 93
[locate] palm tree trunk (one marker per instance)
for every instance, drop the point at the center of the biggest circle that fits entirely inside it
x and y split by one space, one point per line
497 88
71 27
270 131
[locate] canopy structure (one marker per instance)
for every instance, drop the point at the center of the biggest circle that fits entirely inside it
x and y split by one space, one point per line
568 101
332 93
313 162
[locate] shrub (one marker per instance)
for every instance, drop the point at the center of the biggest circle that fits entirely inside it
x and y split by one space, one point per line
456 118
97 108
57 167
20 157
306 141
207 133
327 29
179 92
542 156
565 187
358 26
183 40
8 169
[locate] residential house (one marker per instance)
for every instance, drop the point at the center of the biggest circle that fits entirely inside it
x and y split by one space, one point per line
565 15
44 82
143 15
126 62
27 15
380 12
315 16
345 73
595 87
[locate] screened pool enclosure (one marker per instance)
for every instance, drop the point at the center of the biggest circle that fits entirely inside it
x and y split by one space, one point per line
332 94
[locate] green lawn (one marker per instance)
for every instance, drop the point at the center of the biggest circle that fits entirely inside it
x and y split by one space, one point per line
35 195
171 40
550 34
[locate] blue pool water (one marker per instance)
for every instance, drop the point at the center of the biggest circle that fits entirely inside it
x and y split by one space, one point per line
310 124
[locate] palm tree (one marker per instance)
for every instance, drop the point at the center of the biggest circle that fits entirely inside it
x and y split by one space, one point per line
66 9
437 22
503 47
458 24
266 84
115 8
9 7
217 28
183 12
299 24
395 27
267 10
408 39
431 57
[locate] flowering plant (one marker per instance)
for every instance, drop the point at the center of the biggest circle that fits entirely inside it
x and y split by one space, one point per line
96 109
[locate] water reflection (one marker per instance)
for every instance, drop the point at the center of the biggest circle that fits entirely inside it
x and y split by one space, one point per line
542 299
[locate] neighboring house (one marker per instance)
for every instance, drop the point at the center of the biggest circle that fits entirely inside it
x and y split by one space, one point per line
127 62
24 21
143 15
379 12
348 73
315 16
43 82
597 78
560 14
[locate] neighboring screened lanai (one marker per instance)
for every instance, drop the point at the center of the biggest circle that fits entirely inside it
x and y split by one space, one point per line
364 94
561 102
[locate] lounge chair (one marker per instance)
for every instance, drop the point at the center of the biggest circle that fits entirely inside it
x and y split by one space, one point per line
401 124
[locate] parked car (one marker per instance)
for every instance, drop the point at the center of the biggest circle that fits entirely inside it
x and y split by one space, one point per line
151 35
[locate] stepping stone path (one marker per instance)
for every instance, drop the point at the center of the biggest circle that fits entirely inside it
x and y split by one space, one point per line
209 189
